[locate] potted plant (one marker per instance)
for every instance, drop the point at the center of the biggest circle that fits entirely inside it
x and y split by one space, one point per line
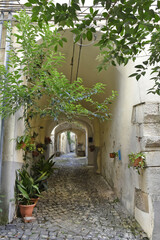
42 170
137 160
26 188
113 154
26 142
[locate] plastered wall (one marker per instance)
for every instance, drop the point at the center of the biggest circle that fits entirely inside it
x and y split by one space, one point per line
11 159
134 124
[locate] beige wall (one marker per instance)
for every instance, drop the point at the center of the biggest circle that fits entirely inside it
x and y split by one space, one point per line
122 134
11 159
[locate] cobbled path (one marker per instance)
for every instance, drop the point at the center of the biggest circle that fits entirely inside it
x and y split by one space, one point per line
79 205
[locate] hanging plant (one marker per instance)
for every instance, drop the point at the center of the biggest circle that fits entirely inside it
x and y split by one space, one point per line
113 154
137 161
25 142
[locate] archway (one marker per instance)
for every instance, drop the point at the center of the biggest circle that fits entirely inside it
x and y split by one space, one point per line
84 138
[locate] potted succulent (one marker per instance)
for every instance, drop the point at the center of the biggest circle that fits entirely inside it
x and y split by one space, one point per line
137 160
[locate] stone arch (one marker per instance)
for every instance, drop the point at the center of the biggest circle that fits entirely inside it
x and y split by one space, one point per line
78 127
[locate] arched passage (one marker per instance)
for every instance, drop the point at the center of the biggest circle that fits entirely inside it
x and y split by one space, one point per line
126 132
85 67
65 142
84 133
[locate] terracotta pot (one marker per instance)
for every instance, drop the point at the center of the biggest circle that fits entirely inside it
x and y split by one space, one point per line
23 145
26 210
137 161
34 200
112 155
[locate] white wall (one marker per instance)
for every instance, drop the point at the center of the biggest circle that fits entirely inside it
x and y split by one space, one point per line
122 134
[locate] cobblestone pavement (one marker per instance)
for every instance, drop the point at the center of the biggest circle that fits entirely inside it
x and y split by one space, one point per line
78 205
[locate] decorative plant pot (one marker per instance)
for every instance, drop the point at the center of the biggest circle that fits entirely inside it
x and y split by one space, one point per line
112 155
34 200
26 210
138 162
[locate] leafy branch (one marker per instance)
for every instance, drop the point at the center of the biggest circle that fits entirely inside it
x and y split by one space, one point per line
127 26
36 63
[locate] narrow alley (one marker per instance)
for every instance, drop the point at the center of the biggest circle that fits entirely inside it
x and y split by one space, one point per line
78 205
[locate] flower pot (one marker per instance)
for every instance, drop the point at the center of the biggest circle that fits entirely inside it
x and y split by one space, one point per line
26 210
23 145
34 200
137 162
112 155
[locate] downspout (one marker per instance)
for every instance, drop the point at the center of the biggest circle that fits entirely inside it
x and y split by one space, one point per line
6 60
1 120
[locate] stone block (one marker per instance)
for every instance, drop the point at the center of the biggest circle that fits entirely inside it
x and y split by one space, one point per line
153 158
150 180
151 118
151 129
150 143
146 113
151 109
138 114
141 200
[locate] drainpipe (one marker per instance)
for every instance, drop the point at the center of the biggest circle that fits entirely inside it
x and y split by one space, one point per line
1 120
6 59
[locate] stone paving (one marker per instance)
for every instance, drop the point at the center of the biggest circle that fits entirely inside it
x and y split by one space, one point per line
79 205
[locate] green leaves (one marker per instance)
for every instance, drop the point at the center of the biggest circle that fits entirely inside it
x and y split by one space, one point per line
26 188
38 63
89 35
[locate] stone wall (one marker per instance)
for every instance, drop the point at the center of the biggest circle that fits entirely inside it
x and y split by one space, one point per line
134 128
149 208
